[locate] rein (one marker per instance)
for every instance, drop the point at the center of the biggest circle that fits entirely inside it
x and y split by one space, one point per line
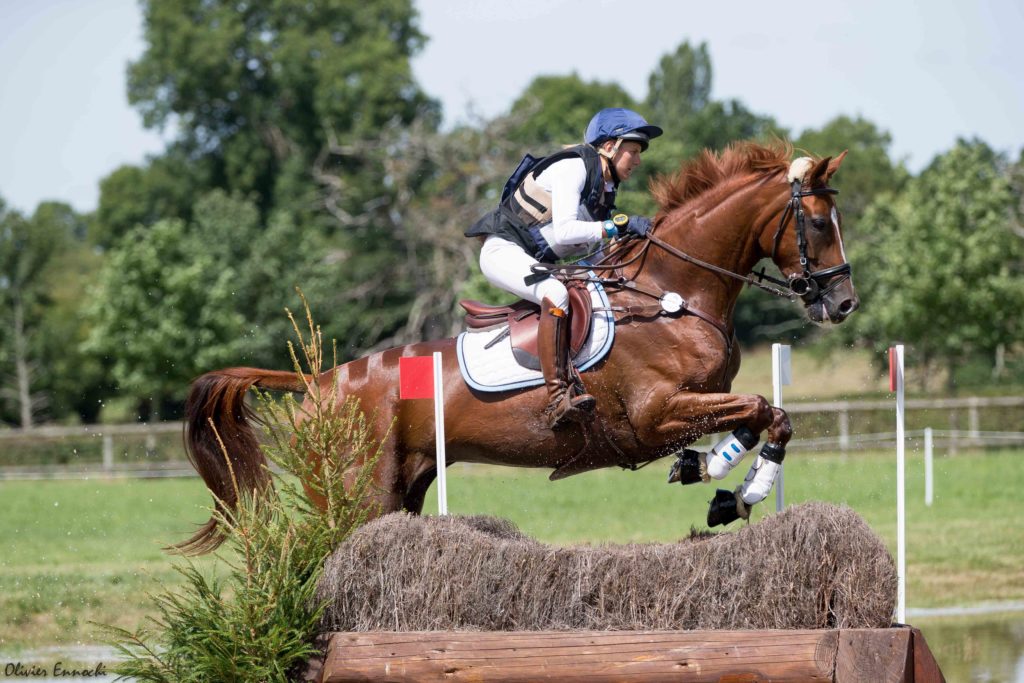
807 285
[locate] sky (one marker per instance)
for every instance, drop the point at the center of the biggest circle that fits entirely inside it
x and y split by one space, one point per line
926 72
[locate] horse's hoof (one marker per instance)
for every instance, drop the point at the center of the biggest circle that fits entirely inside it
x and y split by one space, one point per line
687 468
724 508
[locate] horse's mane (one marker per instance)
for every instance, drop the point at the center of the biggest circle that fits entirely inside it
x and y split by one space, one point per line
710 169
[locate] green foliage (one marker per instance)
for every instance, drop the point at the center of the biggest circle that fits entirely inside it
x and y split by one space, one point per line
252 85
555 110
165 187
680 86
260 622
286 105
40 287
679 100
868 172
940 265
163 311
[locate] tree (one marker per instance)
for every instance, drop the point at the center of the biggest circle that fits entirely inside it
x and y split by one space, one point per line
555 110
869 171
679 100
260 87
164 187
680 86
939 266
163 312
28 247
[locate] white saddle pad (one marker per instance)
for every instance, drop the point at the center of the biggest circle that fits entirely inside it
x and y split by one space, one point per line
495 369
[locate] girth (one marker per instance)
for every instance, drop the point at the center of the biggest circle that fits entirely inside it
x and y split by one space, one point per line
523 317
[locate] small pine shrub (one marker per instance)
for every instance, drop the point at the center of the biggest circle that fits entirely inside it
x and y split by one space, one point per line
259 621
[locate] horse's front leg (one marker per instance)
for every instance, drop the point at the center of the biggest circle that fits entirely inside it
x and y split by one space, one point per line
728 506
747 416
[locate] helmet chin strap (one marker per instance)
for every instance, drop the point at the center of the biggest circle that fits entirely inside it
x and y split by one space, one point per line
609 155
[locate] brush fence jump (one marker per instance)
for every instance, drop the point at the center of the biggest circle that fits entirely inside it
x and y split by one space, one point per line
894 655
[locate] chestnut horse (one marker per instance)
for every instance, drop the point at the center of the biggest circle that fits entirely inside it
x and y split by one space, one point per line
665 382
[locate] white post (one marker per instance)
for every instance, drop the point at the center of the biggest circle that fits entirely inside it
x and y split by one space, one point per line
928 447
896 380
108 453
781 375
844 430
442 488
973 423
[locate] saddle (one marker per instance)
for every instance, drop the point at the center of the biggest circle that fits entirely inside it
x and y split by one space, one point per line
522 318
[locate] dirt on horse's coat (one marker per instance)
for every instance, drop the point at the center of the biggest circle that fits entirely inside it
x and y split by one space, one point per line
811 566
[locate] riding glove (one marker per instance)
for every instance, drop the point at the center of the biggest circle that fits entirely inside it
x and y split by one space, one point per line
638 225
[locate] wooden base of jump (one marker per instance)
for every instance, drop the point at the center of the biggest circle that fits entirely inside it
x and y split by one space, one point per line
897 654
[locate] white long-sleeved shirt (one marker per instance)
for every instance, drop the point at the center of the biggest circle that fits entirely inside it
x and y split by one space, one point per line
572 229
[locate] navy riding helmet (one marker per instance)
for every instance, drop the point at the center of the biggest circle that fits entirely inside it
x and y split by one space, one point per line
615 123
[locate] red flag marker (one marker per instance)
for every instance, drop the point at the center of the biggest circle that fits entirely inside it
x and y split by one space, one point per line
416 377
892 368
421 377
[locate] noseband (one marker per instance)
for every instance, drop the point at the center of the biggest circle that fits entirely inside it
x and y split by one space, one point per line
809 286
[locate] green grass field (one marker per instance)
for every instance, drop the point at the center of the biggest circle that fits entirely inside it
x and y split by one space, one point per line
72 552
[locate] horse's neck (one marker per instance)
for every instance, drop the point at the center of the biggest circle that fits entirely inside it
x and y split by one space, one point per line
724 232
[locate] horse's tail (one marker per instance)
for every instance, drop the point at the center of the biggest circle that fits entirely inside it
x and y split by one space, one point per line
221 443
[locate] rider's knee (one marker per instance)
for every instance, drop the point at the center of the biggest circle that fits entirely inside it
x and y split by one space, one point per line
555 291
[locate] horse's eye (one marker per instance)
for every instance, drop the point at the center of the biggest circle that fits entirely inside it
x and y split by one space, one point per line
818 223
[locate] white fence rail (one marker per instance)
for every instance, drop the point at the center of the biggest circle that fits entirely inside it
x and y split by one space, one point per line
951 440
131 450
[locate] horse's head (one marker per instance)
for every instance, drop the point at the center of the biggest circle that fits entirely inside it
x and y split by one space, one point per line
808 243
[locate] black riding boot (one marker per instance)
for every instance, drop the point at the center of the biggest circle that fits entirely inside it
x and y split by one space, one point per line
553 348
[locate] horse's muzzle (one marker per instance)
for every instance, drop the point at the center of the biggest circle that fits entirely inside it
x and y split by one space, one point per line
827 294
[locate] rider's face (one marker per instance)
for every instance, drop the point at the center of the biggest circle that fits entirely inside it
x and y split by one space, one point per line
627 158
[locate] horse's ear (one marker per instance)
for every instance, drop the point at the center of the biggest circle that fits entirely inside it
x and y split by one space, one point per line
818 175
833 165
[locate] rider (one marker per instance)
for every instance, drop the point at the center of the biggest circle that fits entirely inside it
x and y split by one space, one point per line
562 206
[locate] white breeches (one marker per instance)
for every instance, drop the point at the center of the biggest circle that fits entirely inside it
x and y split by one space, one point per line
505 264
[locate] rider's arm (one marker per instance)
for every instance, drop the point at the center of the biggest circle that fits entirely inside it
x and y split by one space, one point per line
567 179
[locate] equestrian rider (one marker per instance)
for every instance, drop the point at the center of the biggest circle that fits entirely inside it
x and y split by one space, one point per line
560 208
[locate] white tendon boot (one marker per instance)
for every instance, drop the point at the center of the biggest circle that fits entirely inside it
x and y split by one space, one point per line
728 452
728 506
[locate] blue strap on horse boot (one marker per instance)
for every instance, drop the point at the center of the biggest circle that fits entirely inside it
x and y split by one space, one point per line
553 349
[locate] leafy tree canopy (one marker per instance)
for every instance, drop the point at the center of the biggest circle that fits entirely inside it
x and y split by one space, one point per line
869 171
555 110
939 264
252 84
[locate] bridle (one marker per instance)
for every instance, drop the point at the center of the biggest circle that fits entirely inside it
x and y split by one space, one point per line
809 286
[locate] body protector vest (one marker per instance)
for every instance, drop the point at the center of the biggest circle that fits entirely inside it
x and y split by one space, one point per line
525 206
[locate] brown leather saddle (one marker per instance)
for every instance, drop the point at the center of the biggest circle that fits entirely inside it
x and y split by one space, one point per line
523 317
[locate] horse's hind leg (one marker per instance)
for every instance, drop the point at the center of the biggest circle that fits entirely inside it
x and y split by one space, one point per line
423 476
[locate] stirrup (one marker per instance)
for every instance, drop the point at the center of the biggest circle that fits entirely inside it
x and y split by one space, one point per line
570 410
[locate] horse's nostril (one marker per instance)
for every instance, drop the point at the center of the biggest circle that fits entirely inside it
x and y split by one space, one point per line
848 306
